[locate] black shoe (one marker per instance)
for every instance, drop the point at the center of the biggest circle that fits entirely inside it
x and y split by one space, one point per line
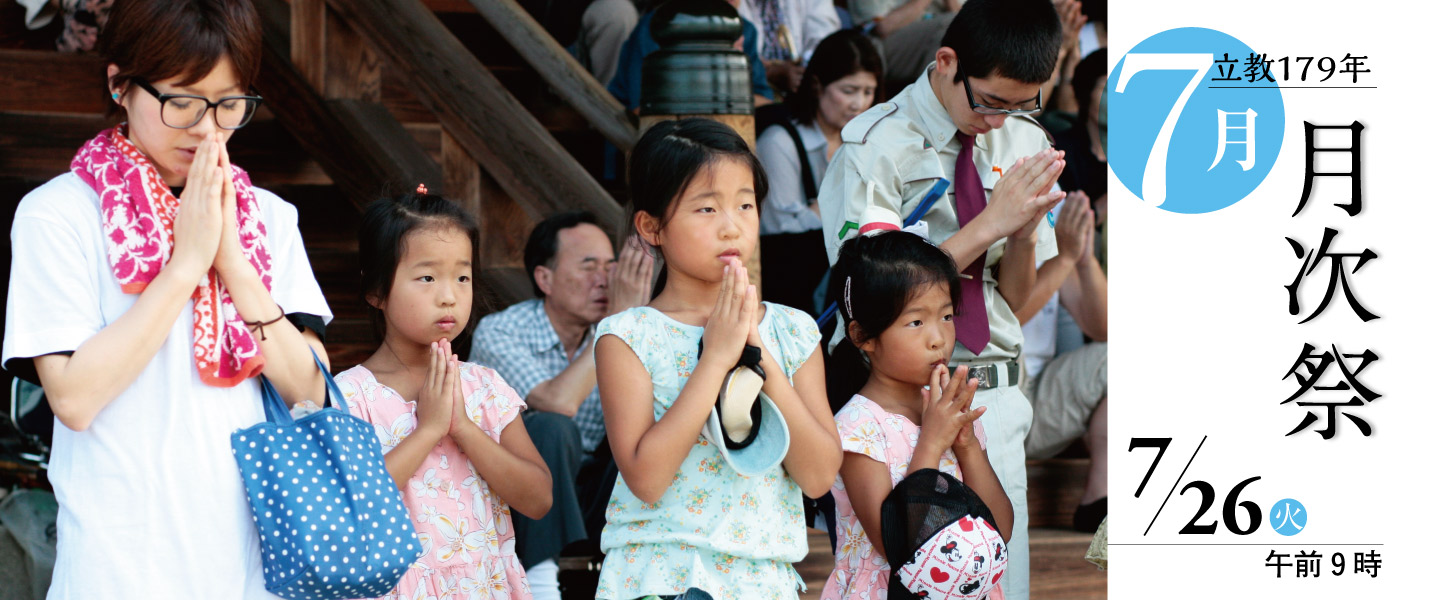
1089 516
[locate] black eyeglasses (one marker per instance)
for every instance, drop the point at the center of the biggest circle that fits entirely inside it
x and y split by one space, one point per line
182 111
984 109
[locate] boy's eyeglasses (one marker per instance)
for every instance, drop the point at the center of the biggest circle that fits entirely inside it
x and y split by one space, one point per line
182 111
984 109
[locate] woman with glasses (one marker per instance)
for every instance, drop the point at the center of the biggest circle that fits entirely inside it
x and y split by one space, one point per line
150 285
845 77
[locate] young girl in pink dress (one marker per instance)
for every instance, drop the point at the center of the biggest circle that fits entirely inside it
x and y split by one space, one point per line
900 411
449 429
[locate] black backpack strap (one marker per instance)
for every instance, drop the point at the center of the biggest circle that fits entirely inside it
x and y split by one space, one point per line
811 189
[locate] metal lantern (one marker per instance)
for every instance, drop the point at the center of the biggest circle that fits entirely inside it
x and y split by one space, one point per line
698 70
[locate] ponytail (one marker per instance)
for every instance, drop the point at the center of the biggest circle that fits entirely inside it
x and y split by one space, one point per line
846 373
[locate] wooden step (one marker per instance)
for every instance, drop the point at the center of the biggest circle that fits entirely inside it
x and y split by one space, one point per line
1060 571
817 565
1054 489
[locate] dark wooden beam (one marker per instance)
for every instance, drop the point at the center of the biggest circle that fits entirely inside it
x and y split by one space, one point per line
353 69
359 144
476 110
449 6
306 50
331 56
461 176
52 82
567 77
37 146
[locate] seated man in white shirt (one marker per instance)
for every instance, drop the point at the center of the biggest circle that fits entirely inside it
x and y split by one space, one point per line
1067 382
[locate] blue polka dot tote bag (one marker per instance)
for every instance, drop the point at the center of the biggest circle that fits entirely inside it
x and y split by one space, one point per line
331 522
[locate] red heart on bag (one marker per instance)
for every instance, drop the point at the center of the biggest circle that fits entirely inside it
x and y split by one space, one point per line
966 524
938 575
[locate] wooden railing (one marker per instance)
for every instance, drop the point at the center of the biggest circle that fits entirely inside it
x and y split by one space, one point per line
325 66
568 78
475 110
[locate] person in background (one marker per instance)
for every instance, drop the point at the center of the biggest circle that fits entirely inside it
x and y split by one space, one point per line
605 26
964 128
908 32
788 31
591 30
542 348
1057 90
845 78
1087 159
1066 379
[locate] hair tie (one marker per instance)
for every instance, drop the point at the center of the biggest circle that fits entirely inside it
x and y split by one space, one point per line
918 228
848 306
422 189
259 325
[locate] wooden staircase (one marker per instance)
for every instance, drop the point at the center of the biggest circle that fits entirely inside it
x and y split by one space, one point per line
347 121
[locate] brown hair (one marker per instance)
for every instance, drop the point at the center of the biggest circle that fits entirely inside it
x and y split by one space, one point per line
156 40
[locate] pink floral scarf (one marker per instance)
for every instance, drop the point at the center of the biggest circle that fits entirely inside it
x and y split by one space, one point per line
138 211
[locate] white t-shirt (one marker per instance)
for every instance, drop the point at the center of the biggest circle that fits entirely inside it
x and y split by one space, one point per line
151 502
1040 333
786 209
1040 337
808 21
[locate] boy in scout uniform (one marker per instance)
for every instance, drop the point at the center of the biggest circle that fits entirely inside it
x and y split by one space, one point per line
965 126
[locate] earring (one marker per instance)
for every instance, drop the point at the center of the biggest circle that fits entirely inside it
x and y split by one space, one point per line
114 95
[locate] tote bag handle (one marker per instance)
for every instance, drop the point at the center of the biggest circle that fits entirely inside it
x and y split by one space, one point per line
278 412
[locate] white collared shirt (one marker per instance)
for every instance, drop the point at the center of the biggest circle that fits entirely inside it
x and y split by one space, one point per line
786 209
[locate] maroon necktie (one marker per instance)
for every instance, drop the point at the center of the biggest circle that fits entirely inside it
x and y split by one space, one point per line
971 323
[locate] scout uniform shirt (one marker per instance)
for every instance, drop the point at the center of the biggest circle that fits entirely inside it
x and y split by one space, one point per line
892 155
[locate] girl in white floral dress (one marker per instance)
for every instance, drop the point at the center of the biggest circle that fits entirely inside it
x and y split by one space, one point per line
897 293
680 518
456 449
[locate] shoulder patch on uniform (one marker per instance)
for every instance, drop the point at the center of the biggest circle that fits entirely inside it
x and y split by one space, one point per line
1035 123
857 131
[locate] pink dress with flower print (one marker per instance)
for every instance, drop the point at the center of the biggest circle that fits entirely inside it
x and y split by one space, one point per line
866 428
467 546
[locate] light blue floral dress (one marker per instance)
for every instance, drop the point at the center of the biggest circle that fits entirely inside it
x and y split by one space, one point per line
732 536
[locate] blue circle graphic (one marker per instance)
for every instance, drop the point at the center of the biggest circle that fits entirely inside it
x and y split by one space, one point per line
1225 137
1287 517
